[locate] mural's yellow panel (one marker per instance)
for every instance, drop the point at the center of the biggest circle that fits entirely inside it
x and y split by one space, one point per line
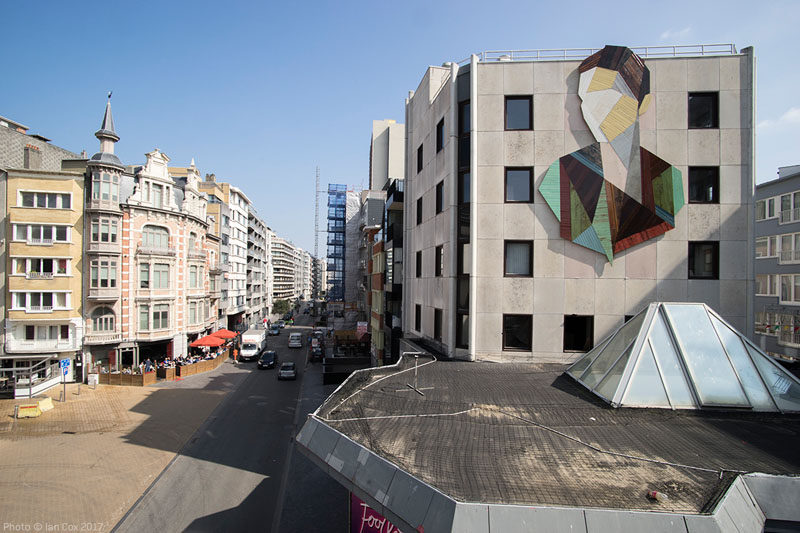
603 79
621 117
645 105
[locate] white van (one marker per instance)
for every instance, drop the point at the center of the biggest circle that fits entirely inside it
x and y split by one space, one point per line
295 340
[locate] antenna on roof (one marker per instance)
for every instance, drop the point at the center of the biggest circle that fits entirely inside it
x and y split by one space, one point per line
109 94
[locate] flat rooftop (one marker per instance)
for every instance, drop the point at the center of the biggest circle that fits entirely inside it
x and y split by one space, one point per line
526 434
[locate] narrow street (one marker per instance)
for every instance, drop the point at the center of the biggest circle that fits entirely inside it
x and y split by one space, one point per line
236 472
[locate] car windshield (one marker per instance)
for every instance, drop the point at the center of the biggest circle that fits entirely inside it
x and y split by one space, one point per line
268 356
287 366
249 346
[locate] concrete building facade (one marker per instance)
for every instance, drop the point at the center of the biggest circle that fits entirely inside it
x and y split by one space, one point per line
481 138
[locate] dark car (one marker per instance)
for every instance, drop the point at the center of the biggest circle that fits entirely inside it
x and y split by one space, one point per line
316 353
287 371
268 359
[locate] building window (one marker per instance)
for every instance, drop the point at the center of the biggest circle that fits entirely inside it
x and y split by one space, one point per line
144 317
155 237
418 317
766 285
438 260
103 274
104 230
790 207
462 330
419 264
193 276
158 195
440 136
419 159
768 247
161 316
578 333
704 185
192 240
440 197
704 260
761 210
703 110
103 319
39 301
45 200
40 234
517 332
192 312
419 210
160 276
105 187
519 113
437 325
519 185
518 259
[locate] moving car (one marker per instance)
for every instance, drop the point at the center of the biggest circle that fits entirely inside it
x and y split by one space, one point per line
287 371
295 340
281 324
316 353
254 341
274 329
268 359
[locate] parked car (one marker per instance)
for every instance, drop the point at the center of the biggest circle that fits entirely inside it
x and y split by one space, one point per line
268 359
287 371
281 324
274 329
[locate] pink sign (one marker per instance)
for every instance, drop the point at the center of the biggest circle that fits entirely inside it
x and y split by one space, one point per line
364 519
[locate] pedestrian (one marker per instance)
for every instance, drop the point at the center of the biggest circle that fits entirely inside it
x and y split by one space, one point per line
235 355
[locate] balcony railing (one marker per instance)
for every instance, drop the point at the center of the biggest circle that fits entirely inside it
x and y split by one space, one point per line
790 256
40 308
104 293
38 346
102 338
790 215
194 254
789 337
152 250
39 275
36 240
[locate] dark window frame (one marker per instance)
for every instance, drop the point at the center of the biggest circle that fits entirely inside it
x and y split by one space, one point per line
420 164
418 263
590 341
530 185
714 179
506 346
419 210
438 260
417 317
460 331
529 98
438 319
714 95
440 197
440 136
505 259
690 254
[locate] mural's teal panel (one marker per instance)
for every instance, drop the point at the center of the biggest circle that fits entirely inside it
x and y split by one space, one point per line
551 188
589 239
677 190
579 218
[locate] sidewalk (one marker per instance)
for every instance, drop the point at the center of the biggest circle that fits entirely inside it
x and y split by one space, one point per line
90 458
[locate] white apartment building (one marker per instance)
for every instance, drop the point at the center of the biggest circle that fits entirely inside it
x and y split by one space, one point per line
237 257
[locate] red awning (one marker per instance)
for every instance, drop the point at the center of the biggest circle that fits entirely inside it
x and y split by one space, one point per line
208 340
224 334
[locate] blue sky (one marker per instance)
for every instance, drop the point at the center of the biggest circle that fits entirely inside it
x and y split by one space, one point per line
261 94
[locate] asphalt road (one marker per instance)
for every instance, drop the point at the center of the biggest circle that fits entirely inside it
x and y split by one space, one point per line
232 474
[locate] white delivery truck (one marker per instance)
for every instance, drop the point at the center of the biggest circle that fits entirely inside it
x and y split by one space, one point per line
254 340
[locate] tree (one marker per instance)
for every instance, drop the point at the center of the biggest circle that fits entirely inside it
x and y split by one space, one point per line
280 307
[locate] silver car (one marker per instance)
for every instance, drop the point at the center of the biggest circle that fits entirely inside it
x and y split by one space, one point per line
287 371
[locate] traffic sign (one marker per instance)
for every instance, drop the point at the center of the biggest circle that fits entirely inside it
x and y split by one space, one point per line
66 371
64 363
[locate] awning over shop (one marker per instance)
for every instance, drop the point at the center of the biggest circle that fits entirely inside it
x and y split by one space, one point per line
224 334
208 340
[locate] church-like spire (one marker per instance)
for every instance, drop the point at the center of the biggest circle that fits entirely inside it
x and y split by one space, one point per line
106 130
107 137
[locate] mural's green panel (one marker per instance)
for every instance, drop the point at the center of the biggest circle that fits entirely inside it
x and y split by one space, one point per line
602 228
588 239
579 217
551 188
662 191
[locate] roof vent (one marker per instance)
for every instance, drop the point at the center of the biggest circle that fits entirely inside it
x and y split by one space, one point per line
504 57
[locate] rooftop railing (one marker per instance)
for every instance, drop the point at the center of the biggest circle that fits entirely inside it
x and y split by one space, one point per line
579 54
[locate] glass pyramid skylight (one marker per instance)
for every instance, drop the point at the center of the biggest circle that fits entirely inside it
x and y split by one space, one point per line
685 356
